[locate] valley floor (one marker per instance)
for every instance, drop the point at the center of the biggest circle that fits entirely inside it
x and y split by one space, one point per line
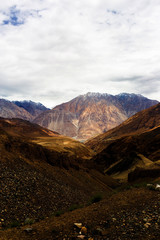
130 214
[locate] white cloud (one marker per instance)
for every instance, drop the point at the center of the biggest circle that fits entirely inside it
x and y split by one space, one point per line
70 47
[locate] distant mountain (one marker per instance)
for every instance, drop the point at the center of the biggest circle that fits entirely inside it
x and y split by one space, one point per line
33 108
133 103
10 110
93 113
26 110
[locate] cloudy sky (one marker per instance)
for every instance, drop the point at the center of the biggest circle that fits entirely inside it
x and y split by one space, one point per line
54 50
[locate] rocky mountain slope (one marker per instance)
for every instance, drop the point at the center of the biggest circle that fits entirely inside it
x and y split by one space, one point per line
43 173
133 103
135 143
91 114
125 154
24 128
68 150
130 214
140 122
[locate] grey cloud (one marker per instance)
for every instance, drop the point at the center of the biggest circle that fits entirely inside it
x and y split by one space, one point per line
128 79
62 51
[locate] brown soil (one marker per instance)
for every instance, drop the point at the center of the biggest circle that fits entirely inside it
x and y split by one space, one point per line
131 214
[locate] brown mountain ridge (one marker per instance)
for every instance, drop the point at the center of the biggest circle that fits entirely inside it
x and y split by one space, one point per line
93 113
135 143
83 117
138 123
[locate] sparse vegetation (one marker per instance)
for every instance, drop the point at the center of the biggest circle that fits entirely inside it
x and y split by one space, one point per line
29 221
131 186
96 198
58 213
71 208
74 207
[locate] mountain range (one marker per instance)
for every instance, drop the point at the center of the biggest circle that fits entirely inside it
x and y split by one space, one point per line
91 114
81 118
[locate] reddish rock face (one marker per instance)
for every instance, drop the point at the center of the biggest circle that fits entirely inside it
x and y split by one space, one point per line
91 114
141 122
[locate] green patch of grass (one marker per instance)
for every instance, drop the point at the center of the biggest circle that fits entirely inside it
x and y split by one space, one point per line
70 209
29 221
96 198
74 207
58 213
129 186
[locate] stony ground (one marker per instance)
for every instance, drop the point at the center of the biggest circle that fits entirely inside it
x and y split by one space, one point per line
29 192
131 214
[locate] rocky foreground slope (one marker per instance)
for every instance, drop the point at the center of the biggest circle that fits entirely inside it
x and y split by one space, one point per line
93 113
132 214
40 179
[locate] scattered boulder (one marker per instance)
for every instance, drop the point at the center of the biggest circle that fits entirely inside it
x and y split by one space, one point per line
157 187
28 230
153 186
78 225
81 236
147 225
